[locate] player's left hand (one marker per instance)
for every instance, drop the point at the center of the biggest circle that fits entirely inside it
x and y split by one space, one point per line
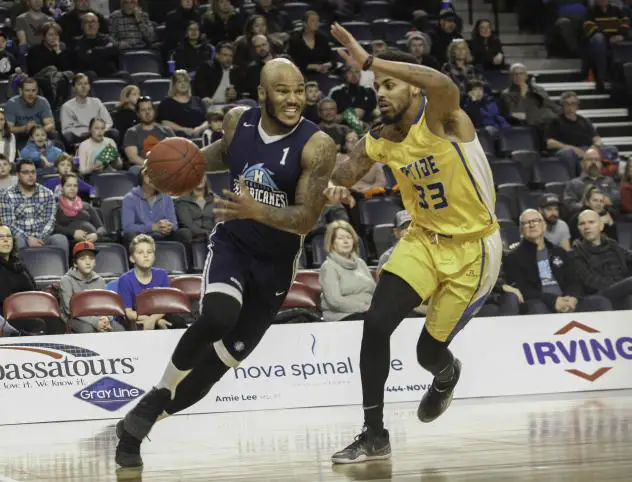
339 194
354 54
237 206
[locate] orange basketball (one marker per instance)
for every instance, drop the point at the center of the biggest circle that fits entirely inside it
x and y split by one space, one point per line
175 166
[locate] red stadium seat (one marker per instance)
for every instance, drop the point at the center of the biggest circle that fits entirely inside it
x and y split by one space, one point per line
30 304
309 278
190 285
96 303
301 296
162 300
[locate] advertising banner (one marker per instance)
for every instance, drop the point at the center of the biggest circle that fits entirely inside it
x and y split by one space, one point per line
100 376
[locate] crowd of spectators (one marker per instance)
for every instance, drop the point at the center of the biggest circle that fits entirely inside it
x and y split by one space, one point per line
58 138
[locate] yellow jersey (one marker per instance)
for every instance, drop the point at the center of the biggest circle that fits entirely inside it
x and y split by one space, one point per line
446 186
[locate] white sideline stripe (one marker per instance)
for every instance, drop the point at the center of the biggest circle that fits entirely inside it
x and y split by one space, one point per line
4 478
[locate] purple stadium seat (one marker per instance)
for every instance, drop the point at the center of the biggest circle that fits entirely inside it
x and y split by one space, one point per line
155 88
108 90
379 210
172 257
296 10
45 263
141 61
111 184
375 9
111 260
360 30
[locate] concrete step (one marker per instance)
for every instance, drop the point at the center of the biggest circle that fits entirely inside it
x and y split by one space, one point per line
614 129
515 52
623 144
592 101
557 75
581 88
543 64
616 114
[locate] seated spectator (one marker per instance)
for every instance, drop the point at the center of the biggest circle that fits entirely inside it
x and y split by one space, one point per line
130 27
276 19
327 111
78 112
6 179
596 200
39 149
605 25
8 62
82 277
562 25
195 211
142 254
215 75
460 68
591 175
222 22
374 181
28 25
193 51
181 110
346 282
28 208
626 188
96 54
249 78
125 115
26 110
486 47
603 266
419 45
355 103
98 153
526 102
244 52
178 21
49 53
15 279
147 211
7 139
76 220
504 300
215 130
557 232
545 274
483 109
63 165
402 223
71 22
142 137
312 98
570 134
443 36
309 48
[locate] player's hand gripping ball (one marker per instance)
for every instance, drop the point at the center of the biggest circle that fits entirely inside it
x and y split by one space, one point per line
175 166
237 205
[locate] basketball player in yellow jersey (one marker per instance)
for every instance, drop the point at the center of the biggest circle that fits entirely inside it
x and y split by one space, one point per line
450 256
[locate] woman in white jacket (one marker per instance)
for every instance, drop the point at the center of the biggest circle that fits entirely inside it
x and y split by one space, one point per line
346 282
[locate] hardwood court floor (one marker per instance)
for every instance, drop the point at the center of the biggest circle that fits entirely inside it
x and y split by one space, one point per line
557 438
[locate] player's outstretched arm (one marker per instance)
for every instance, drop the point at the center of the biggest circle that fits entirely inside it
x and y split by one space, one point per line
319 158
351 170
215 154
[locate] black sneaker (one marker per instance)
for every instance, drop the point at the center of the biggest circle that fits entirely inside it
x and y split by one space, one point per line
137 424
435 401
365 447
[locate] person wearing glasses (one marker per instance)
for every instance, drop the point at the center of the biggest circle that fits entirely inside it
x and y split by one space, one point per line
142 137
545 274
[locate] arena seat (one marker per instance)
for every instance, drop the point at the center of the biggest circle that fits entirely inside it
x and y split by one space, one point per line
517 139
553 170
360 30
509 232
296 10
190 285
155 88
309 278
301 296
138 61
172 257
503 209
396 30
383 237
378 210
111 184
30 304
162 300
200 250
108 90
45 263
111 259
375 9
507 172
96 303
111 212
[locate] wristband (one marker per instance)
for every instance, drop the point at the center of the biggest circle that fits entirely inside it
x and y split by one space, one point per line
367 63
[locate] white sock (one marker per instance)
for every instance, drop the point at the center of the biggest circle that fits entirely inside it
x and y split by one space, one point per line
172 378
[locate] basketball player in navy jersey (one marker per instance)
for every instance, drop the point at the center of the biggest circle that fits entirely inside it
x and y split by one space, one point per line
280 165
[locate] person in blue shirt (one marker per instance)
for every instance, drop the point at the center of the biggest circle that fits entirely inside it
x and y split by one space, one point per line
63 164
39 149
143 276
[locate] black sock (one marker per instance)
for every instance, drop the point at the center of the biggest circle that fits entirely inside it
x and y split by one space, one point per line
373 419
198 383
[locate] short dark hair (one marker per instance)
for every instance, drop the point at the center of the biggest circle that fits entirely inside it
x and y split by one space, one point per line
77 77
23 162
66 177
28 80
225 45
144 98
398 56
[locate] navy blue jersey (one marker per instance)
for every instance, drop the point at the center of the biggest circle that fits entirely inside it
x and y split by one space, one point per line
271 167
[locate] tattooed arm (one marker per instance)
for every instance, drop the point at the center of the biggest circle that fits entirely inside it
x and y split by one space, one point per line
319 157
215 154
354 168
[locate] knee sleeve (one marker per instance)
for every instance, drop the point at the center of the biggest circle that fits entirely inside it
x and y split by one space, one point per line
433 355
220 313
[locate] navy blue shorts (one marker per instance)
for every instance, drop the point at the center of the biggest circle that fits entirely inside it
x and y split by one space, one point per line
259 285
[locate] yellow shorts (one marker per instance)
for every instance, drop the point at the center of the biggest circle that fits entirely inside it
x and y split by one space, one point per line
454 275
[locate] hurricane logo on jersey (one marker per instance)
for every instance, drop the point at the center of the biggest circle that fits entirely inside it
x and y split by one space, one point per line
260 180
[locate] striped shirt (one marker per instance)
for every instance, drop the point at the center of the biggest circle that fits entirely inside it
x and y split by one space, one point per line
28 215
610 22
125 28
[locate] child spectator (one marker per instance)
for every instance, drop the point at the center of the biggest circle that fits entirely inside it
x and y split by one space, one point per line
143 276
98 153
39 149
82 277
6 179
215 119
7 139
76 220
63 164
483 109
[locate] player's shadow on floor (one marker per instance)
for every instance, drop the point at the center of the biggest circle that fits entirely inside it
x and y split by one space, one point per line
376 470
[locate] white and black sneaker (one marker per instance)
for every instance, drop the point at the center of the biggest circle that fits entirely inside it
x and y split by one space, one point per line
366 446
436 401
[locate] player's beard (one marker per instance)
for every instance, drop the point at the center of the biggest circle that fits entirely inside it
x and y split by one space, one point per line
395 118
269 107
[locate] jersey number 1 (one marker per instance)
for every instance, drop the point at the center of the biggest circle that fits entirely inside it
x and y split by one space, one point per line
437 194
285 152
